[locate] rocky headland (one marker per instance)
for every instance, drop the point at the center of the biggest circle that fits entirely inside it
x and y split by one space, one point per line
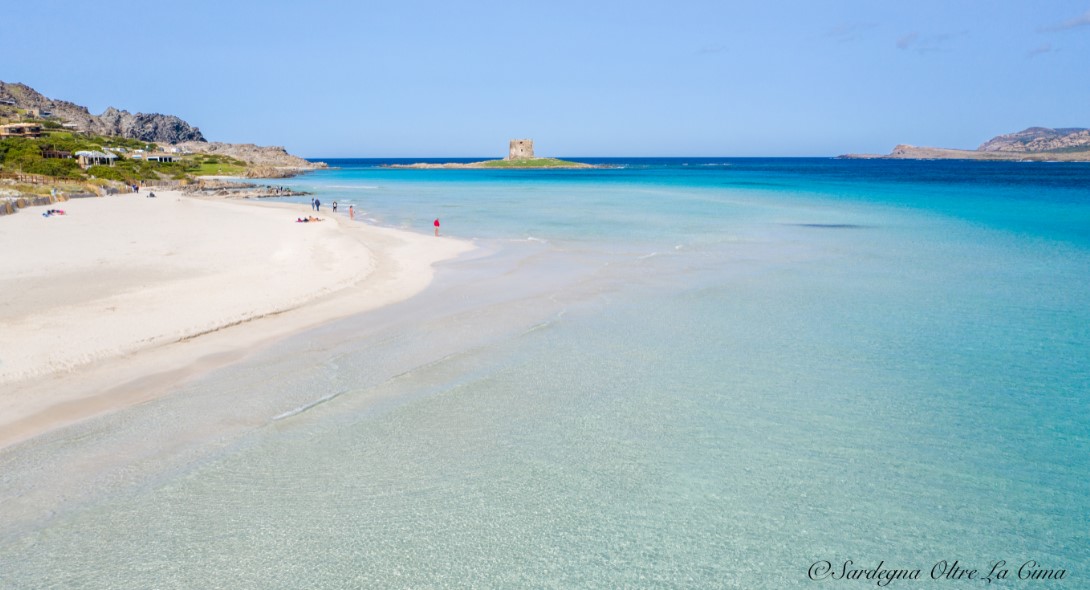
19 101
153 127
264 161
1036 144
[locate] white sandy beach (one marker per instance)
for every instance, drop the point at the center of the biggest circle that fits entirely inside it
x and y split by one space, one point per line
108 305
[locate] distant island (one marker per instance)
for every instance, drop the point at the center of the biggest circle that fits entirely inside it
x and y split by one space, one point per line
1036 144
520 155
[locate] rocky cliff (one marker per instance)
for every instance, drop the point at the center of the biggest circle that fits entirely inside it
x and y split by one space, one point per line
152 127
264 162
1039 139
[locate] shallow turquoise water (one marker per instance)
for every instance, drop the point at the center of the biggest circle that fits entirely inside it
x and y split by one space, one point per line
703 373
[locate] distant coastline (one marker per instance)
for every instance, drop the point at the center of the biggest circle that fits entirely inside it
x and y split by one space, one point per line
1035 144
911 152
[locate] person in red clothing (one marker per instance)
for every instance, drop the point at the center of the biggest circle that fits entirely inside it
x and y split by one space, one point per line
436 224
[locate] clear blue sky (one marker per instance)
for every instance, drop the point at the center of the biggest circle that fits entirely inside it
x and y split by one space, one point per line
586 78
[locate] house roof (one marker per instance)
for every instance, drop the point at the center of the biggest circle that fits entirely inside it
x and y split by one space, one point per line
95 154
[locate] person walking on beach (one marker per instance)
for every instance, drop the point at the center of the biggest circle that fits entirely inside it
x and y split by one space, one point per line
317 204
334 206
312 204
436 224
351 212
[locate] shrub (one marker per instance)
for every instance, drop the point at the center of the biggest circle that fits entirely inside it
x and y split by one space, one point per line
58 168
110 173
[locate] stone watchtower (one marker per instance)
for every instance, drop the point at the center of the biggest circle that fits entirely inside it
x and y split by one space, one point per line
521 149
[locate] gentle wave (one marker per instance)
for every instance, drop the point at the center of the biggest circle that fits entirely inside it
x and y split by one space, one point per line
305 407
546 323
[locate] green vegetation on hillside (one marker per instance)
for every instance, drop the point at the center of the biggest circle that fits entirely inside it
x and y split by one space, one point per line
1072 149
25 155
214 165
28 155
531 163
66 141
129 171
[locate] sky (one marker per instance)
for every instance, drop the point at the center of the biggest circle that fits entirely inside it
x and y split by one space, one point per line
416 78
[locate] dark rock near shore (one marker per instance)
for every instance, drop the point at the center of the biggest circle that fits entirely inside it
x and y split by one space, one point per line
239 190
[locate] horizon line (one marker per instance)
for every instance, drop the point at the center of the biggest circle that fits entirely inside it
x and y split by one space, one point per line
560 157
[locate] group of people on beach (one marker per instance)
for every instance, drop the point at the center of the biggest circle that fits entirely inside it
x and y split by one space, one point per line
351 215
136 189
317 205
52 212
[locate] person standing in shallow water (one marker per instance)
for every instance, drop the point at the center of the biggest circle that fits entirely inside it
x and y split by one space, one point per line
334 206
351 211
436 224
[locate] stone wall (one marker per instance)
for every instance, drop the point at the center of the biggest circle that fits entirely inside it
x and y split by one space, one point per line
521 149
11 204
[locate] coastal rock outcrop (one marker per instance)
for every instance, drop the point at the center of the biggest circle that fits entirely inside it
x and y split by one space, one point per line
19 100
269 157
153 127
145 127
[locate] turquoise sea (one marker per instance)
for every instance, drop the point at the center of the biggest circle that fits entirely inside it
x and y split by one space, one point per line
668 373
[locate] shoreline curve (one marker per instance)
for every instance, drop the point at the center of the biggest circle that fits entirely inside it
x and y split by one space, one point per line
124 297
